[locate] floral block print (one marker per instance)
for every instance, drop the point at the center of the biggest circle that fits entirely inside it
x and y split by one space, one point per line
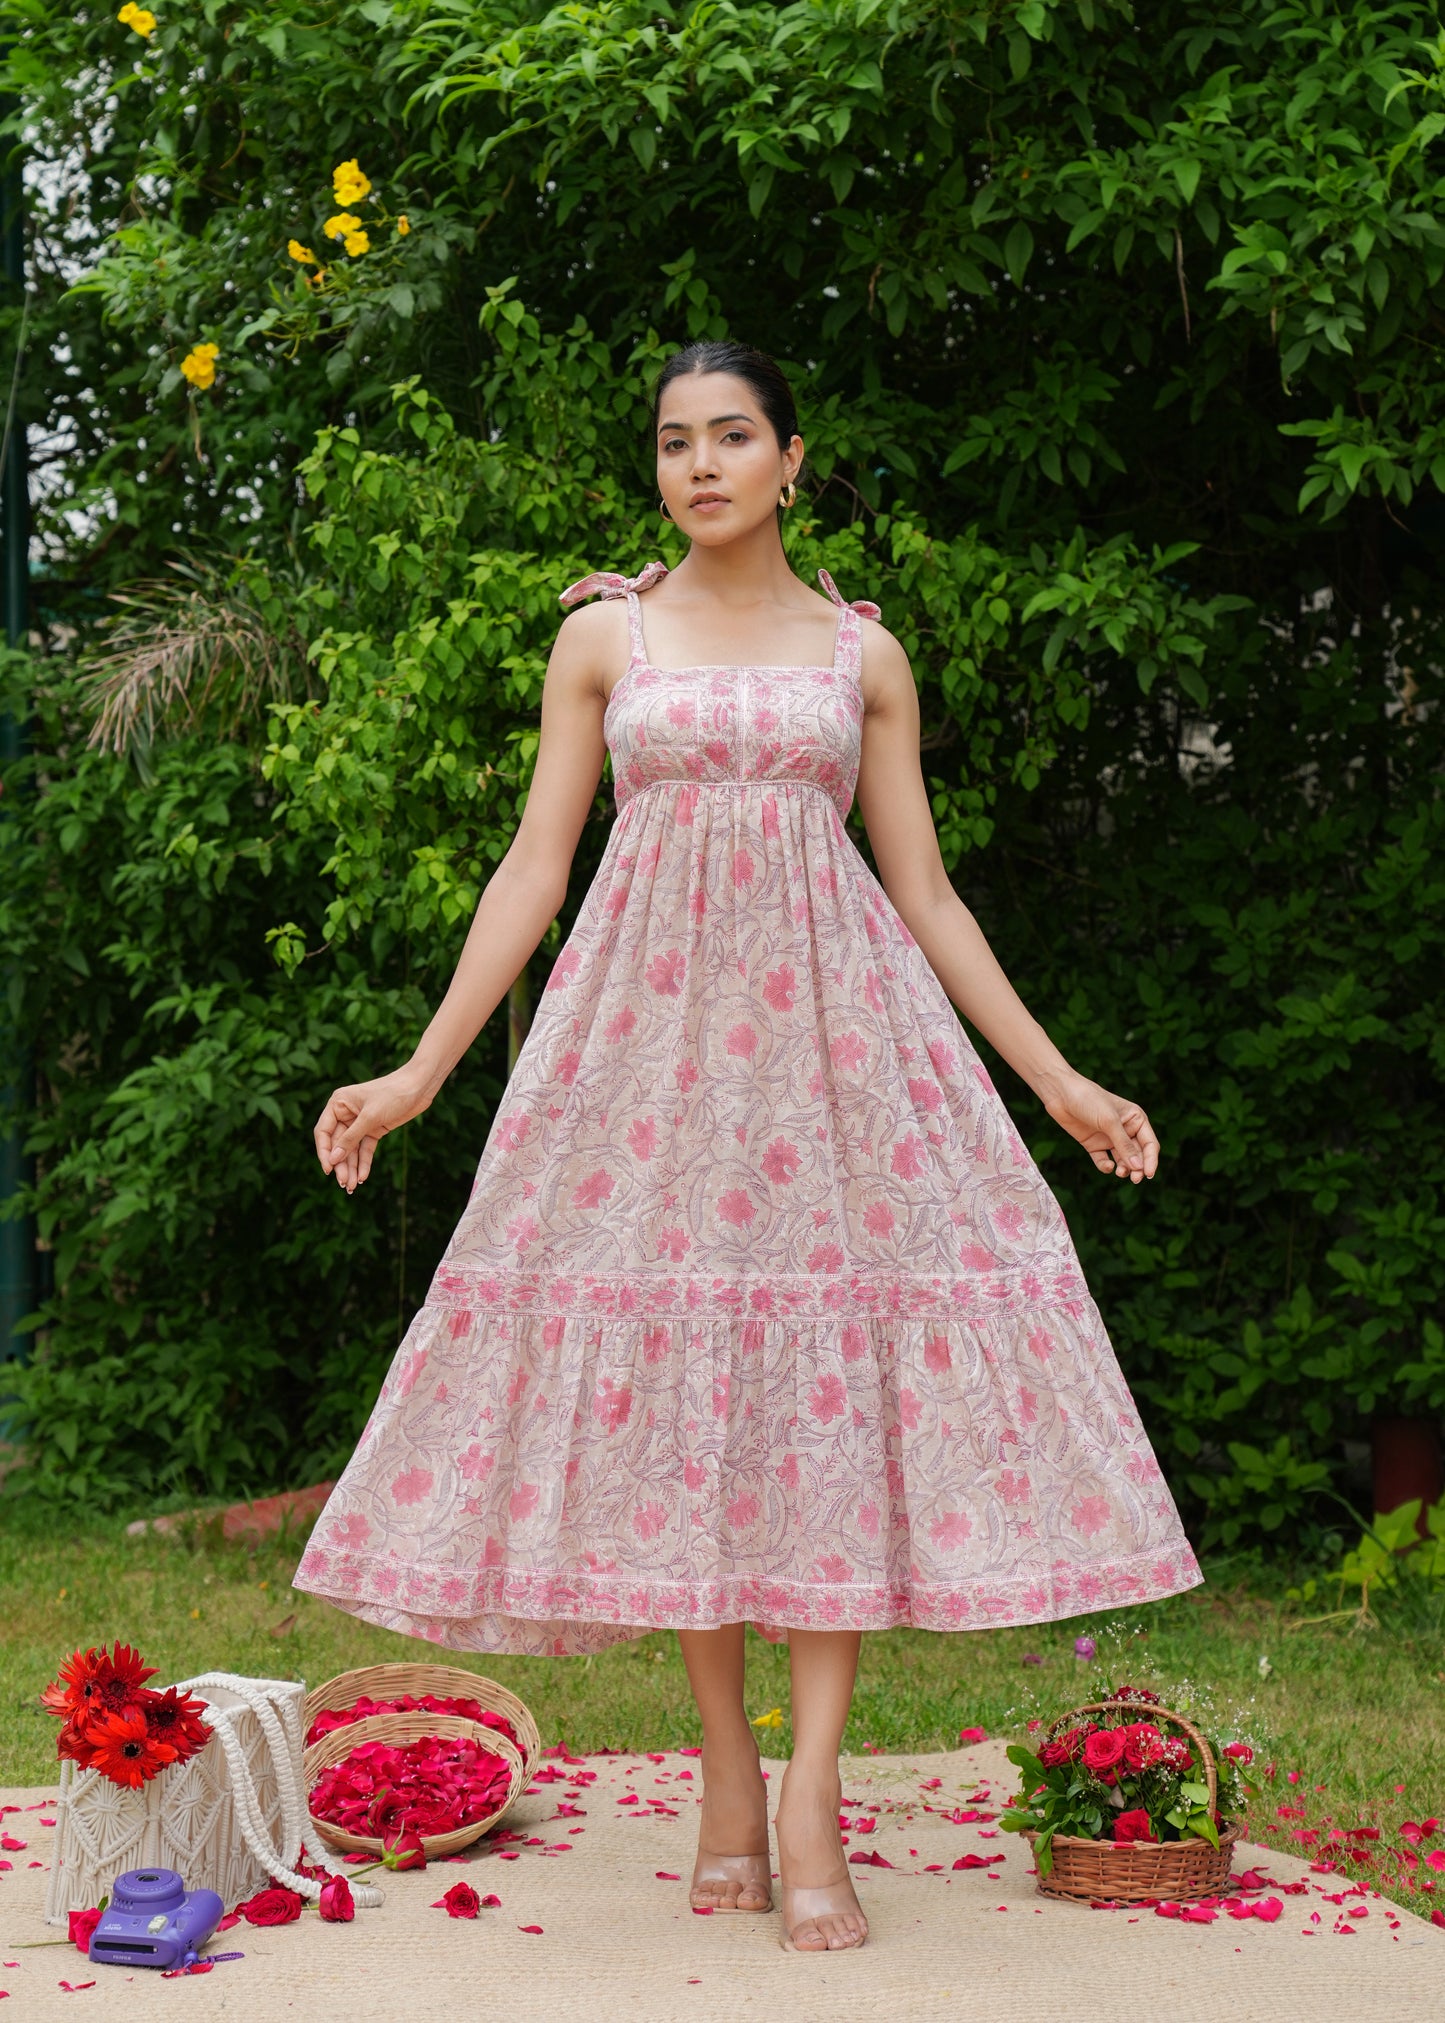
759 1309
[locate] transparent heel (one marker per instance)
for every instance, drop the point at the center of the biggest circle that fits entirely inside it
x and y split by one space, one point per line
753 1873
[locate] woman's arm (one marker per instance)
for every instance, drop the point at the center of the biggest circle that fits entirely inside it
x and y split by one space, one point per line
519 902
894 804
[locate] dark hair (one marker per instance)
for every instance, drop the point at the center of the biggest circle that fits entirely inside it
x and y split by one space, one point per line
761 373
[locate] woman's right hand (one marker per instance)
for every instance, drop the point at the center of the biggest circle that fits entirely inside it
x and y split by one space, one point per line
358 1117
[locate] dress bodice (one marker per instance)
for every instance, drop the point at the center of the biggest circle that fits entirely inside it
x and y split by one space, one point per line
729 726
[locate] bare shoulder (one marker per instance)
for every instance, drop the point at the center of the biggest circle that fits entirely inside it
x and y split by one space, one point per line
591 646
887 675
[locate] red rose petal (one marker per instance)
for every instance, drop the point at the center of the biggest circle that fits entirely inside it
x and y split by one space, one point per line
529 1928
663 1876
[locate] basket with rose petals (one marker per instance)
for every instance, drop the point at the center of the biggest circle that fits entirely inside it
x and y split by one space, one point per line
1125 1801
429 1783
434 1689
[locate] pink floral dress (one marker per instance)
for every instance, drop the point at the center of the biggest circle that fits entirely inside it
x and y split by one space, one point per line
759 1309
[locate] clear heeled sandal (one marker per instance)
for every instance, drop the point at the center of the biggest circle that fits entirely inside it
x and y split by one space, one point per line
746 1870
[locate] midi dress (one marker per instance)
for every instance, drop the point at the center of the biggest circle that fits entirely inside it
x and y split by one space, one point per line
759 1309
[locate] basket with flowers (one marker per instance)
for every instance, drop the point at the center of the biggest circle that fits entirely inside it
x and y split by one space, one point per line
1125 1801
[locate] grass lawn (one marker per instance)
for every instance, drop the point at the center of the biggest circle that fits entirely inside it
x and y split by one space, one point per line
1360 1718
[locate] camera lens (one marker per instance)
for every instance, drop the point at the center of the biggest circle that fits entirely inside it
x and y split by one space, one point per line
147 1878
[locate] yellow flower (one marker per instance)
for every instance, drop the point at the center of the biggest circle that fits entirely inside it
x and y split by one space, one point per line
139 18
403 225
772 1719
340 225
348 183
299 252
357 242
199 364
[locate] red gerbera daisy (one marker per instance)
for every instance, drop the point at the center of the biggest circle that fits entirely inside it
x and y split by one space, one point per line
124 1750
74 1741
97 1682
174 1717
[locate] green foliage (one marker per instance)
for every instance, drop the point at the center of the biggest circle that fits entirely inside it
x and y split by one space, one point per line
1115 334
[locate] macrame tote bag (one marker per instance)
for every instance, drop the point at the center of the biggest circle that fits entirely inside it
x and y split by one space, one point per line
230 1819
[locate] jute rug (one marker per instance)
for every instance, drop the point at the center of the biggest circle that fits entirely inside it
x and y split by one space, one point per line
617 1938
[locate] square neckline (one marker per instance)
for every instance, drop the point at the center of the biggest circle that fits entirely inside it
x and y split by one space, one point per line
638 658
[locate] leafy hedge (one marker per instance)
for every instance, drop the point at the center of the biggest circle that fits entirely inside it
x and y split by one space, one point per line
1116 336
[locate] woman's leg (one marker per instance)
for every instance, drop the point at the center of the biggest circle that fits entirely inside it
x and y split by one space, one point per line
824 1665
734 1797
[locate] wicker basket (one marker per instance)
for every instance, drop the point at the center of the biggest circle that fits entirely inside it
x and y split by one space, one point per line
412 1727
1172 1871
443 1682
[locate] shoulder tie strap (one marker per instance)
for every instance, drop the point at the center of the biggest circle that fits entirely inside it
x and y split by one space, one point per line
862 605
608 583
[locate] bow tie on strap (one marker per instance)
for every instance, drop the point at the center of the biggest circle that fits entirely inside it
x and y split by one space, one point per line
607 583
862 605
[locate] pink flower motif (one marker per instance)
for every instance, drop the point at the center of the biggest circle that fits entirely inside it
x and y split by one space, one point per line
742 1508
1041 1344
521 1231
351 1531
680 713
1142 1468
620 1025
412 1485
564 968
674 1243
833 1566
910 1157
721 1390
981 1076
656 1341
976 1257
475 1465
553 1329
648 1519
512 1130
910 1406
742 1039
567 1067
1013 1486
743 866
612 1404
779 987
848 1050
872 990
868 1519
516 1390
461 1325
687 1073
1090 1514
855 1341
591 1192
521 1503
735 1206
924 1093
951 1530
1028 1405
825 1257
642 1137
937 1354
770 818
878 1219
666 972
1010 1219
693 1473
781 1161
788 1471
943 1058
828 1397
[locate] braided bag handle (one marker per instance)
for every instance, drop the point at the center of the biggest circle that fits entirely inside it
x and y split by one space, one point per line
283 1733
1148 1711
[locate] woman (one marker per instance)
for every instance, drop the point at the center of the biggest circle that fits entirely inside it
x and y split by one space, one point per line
759 1310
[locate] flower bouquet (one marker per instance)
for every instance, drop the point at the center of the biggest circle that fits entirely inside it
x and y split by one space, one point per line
1125 1801
114 1723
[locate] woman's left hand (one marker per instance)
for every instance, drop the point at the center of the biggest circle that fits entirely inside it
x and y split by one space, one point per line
1116 1134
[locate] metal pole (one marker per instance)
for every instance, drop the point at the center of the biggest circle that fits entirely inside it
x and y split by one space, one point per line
18 1278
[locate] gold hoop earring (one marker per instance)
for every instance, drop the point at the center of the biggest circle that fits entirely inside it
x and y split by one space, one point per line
788 497
662 508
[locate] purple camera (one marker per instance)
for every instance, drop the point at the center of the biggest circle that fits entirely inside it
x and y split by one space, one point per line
153 1920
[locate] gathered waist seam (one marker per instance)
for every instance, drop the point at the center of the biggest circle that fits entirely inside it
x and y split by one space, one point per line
733 786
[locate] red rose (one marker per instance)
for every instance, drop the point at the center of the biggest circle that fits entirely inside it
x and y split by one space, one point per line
405 1851
271 1907
336 1905
460 1901
1239 1752
82 1924
1053 1756
1132 1826
1103 1749
1143 1745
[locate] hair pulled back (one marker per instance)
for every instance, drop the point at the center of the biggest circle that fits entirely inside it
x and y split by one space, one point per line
742 361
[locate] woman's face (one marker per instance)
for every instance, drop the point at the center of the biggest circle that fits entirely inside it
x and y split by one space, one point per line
719 465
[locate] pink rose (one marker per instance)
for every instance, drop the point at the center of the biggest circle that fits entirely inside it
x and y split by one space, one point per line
336 1904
